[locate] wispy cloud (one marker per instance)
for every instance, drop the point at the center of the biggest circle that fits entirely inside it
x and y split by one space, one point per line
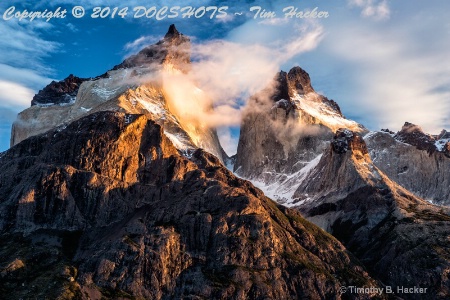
139 43
22 67
14 96
224 74
22 46
376 9
72 27
394 77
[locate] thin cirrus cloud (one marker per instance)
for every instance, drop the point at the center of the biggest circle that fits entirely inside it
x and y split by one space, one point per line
138 44
375 9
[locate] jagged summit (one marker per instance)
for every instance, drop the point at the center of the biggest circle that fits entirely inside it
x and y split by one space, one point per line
59 92
286 126
295 86
299 81
288 85
173 49
415 136
416 160
172 32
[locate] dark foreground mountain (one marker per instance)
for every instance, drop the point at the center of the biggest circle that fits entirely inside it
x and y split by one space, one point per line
402 239
107 208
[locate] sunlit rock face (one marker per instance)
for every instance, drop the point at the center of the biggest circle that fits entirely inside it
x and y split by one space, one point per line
139 85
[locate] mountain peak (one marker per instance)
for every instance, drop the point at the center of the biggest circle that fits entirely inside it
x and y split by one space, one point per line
172 32
299 81
59 92
414 135
409 127
174 48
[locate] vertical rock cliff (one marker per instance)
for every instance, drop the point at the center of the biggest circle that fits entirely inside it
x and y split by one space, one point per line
284 130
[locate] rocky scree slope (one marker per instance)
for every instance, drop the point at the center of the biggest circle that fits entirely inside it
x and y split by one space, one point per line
106 207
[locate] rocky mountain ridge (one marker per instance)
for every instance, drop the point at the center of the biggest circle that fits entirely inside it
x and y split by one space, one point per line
285 128
110 209
398 236
417 161
62 92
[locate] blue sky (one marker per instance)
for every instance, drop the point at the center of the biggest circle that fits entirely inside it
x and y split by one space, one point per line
385 62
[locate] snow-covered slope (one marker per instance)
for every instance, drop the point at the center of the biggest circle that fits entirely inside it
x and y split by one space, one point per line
321 112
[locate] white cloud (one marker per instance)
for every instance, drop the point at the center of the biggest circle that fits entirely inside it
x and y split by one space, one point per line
139 43
228 141
72 27
230 72
26 77
393 76
376 9
22 67
14 96
224 74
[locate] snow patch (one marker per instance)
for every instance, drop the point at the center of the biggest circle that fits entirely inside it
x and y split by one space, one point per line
180 142
70 101
105 93
151 107
283 188
440 144
313 105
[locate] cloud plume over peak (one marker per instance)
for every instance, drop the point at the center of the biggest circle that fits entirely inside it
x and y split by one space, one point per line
224 74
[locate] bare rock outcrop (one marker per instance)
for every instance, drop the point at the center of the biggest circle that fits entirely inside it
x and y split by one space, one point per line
62 92
417 161
174 48
401 238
